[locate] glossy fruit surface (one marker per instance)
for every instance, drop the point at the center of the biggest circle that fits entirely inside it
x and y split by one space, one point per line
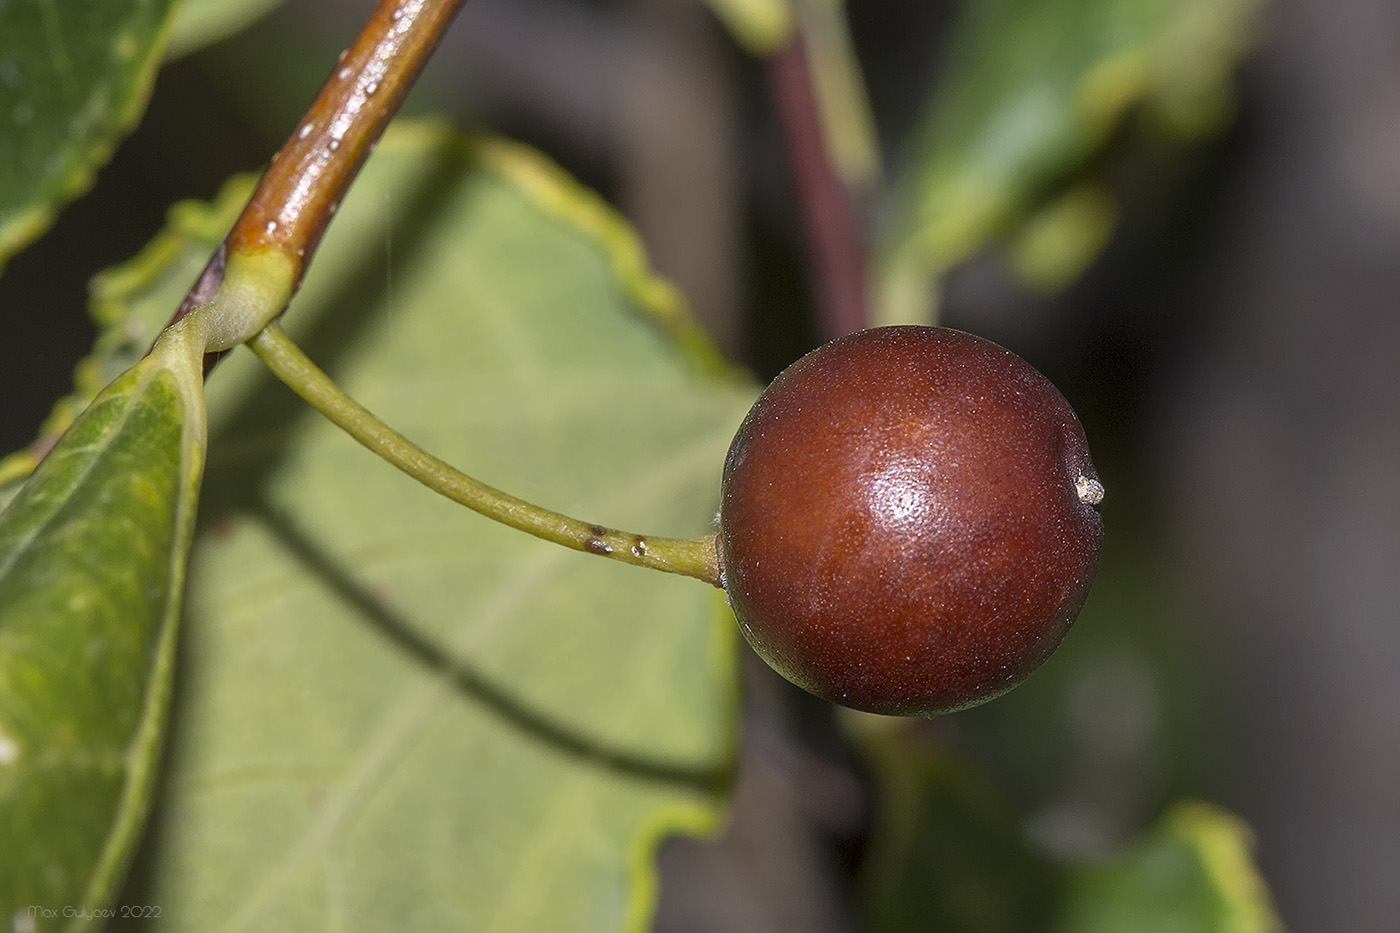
907 521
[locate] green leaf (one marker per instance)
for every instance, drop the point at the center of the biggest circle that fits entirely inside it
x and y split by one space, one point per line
170 263
946 852
203 22
92 559
1130 700
848 126
393 713
759 26
1057 243
1192 872
1033 89
74 77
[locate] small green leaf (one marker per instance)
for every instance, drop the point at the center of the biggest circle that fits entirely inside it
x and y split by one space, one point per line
946 852
1129 701
759 26
203 22
1059 241
126 330
394 713
74 77
92 558
1192 872
1033 89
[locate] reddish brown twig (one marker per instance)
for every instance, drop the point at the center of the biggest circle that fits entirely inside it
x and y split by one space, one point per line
831 227
301 189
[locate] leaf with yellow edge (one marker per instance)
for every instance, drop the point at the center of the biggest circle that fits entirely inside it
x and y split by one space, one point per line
1194 871
392 712
948 852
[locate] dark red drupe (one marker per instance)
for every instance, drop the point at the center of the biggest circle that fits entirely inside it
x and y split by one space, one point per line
908 522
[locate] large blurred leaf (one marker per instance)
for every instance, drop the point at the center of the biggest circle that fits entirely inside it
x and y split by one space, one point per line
1032 90
394 714
92 558
74 76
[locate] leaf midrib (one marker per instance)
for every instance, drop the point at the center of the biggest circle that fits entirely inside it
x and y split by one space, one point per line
61 506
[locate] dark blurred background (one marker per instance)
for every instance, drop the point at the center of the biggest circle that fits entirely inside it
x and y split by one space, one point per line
1233 355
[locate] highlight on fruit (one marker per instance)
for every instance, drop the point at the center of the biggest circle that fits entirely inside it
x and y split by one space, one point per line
908 521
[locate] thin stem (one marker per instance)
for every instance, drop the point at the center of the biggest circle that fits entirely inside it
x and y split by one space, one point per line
691 557
308 177
831 227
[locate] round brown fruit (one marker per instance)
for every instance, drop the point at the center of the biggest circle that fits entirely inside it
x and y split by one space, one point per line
908 521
